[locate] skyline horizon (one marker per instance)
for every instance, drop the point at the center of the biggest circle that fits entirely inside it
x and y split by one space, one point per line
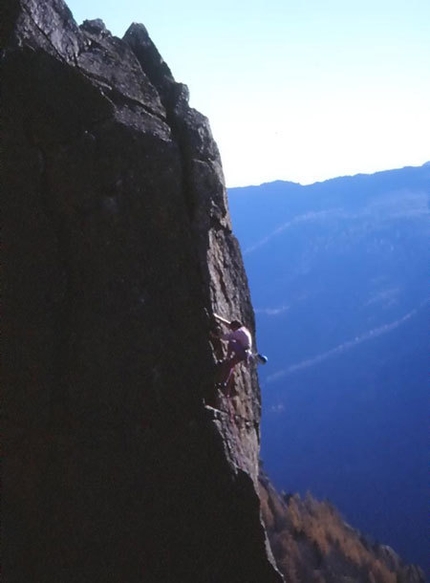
426 163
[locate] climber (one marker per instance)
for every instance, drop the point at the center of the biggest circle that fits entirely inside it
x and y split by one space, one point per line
239 349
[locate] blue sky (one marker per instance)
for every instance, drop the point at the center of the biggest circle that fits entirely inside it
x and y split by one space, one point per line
295 90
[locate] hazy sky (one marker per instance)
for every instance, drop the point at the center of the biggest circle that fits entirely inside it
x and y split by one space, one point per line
300 90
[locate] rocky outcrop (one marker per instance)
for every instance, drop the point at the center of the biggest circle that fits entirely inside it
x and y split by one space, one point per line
118 250
312 543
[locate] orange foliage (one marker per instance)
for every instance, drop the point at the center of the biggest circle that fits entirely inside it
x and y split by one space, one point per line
311 543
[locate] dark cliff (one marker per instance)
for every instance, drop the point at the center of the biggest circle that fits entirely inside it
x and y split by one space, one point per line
118 250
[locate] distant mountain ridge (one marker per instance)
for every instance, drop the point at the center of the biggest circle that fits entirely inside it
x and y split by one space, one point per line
295 196
338 272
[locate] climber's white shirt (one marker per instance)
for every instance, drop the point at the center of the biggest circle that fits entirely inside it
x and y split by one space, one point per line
241 335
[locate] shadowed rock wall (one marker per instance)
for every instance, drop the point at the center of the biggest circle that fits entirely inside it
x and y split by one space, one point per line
118 248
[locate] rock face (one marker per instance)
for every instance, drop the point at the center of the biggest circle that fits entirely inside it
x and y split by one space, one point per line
118 251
